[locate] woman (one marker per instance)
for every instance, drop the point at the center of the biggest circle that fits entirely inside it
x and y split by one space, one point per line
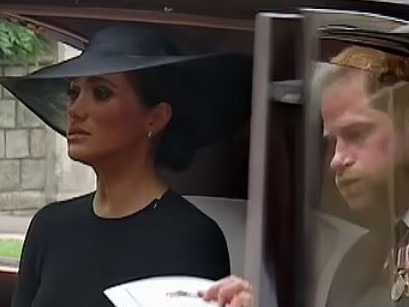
135 105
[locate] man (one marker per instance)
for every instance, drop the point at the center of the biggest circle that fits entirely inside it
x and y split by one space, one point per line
231 291
365 109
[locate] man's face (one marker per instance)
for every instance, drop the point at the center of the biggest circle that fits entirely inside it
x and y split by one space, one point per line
363 140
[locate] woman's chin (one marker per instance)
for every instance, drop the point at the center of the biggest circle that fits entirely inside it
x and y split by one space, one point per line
80 155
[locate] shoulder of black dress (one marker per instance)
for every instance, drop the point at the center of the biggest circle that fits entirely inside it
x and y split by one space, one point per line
61 207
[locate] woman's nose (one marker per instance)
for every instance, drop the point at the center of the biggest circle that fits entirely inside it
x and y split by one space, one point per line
78 108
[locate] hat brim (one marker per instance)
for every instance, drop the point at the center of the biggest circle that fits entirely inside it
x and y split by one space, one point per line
94 64
218 97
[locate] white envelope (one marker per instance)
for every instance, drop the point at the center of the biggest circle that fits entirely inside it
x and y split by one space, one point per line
170 291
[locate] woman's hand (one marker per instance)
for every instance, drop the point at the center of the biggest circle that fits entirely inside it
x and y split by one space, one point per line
231 291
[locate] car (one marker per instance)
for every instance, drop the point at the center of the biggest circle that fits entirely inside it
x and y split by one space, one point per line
260 184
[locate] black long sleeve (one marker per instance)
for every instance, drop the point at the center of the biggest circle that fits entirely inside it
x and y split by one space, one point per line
70 255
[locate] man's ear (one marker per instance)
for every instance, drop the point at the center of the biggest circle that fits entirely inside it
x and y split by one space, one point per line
160 118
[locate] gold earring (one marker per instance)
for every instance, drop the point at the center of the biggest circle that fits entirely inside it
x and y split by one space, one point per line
150 134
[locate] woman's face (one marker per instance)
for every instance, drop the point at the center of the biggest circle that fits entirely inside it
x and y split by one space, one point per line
106 120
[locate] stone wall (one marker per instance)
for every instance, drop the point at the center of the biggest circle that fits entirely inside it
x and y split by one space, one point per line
34 166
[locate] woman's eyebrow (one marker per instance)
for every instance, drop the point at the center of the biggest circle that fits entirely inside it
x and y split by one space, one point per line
101 79
93 79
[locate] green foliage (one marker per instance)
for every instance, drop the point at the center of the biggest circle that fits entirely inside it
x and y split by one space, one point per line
19 45
11 248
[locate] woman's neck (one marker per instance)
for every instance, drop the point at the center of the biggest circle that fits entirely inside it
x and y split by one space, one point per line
124 188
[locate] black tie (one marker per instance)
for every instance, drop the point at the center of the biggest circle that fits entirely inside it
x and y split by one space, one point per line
402 233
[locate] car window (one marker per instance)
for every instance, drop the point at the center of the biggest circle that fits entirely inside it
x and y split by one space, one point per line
361 225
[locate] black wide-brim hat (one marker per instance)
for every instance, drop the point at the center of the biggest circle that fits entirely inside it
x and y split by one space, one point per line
211 94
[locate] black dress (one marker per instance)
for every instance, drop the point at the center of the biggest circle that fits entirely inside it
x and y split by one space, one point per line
70 255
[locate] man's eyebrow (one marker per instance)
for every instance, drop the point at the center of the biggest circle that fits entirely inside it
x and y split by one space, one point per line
362 124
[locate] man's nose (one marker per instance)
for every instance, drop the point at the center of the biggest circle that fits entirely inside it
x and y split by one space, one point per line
341 160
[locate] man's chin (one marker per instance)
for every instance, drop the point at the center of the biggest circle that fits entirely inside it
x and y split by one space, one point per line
357 201
359 204
370 211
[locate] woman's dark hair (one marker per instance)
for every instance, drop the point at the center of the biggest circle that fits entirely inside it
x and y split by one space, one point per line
177 146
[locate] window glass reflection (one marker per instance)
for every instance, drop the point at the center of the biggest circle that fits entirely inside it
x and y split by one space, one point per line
362 229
